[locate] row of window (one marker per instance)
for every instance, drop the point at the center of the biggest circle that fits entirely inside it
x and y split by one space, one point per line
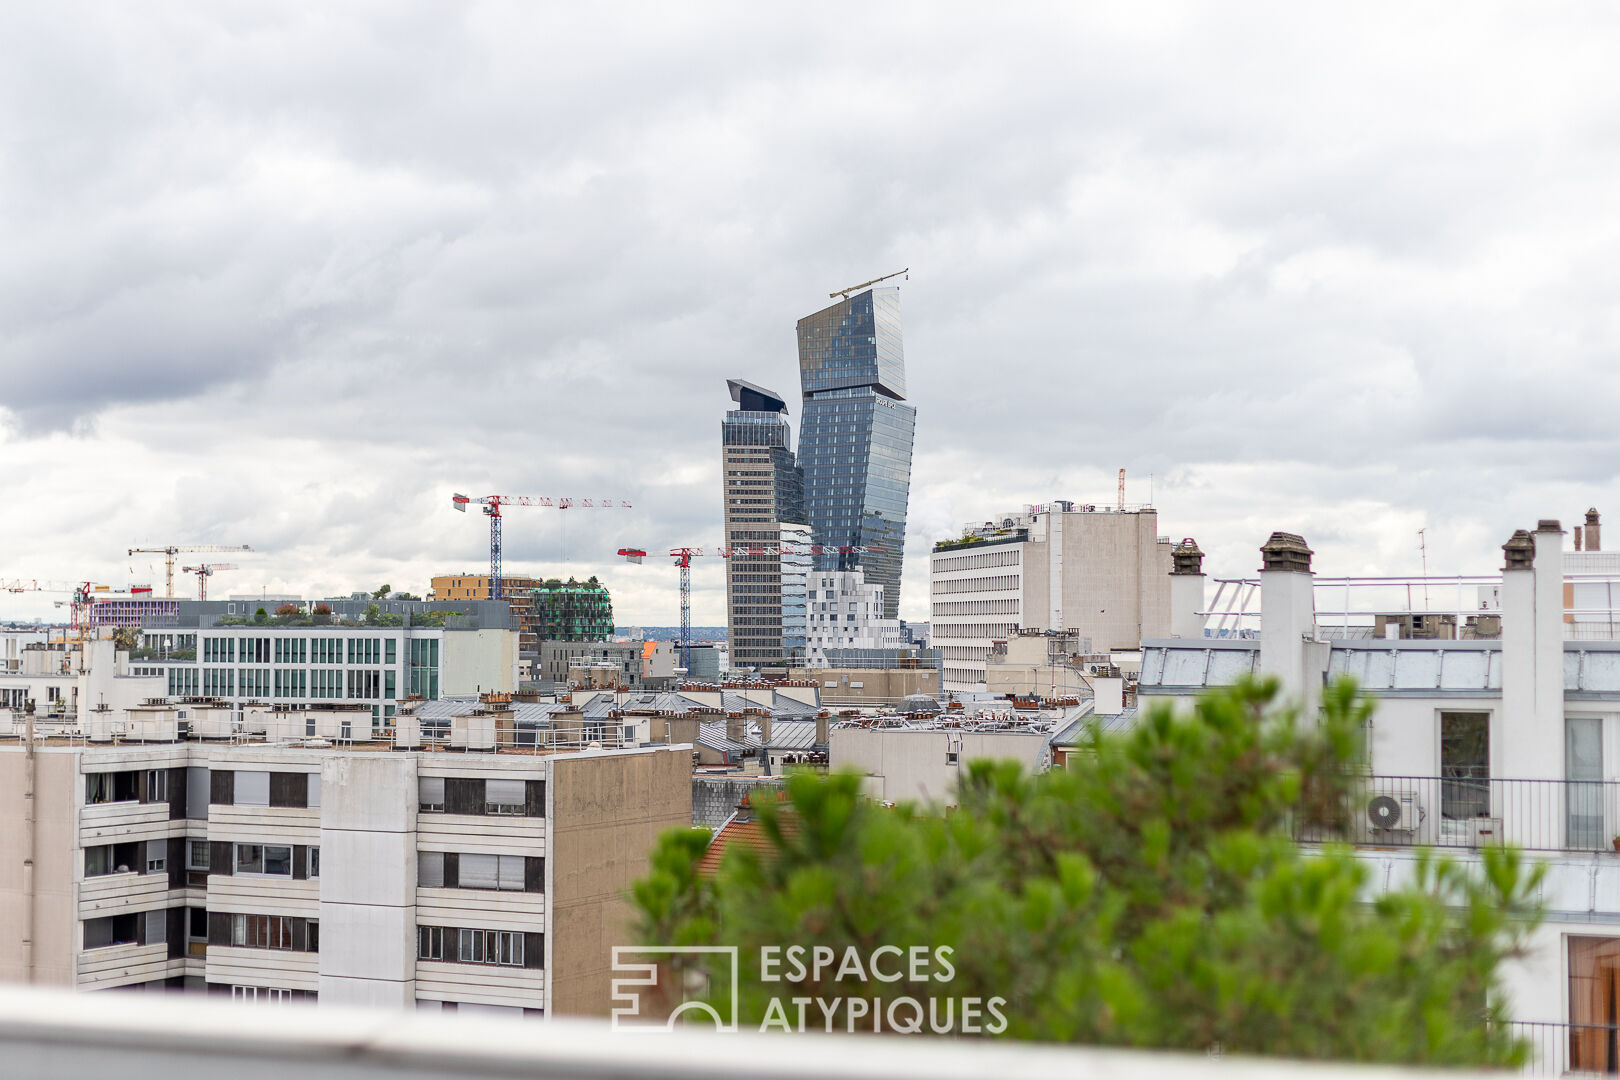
475 795
283 933
453 870
1006 556
975 607
239 787
460 945
989 583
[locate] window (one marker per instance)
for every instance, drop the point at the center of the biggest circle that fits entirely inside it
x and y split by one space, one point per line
252 789
157 856
196 855
250 858
1465 766
430 943
1594 997
430 869
314 867
157 785
491 872
503 796
314 797
278 860
430 793
97 860
503 947
281 932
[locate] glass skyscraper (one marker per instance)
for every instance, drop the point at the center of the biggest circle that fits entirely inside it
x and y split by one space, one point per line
764 493
856 435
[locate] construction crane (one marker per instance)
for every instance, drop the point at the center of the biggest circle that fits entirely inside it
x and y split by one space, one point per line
172 550
492 509
683 557
857 288
204 571
84 593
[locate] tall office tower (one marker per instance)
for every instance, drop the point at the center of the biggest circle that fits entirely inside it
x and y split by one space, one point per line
764 491
855 444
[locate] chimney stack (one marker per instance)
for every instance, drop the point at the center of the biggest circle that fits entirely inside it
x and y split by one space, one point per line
1288 618
1187 590
1594 534
1532 659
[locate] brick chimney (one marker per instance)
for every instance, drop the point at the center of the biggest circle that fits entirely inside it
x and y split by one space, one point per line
1594 532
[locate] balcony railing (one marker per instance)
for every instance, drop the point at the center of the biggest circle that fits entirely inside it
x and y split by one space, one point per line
1433 811
1570 1049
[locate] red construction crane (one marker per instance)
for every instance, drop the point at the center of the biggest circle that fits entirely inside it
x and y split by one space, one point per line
205 571
683 557
492 509
172 550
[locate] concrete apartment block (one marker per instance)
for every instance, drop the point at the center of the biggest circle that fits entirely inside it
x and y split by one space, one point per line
353 874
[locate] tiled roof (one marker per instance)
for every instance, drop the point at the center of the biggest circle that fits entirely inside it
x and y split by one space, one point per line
744 829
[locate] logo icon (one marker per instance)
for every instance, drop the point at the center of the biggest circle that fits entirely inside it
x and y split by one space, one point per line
646 971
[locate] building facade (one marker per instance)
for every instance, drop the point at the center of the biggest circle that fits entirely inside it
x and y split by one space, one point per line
846 612
516 591
1102 573
379 666
766 531
418 879
1473 743
571 610
856 439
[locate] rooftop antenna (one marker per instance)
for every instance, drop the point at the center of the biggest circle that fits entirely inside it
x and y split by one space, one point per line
857 288
1423 553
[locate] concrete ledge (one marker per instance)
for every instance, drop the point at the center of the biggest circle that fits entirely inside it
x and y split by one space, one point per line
58 1034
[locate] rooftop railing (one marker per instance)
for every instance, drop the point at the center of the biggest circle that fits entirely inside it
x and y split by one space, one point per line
1469 812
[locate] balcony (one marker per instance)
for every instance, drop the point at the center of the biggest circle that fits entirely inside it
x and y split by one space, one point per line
1432 811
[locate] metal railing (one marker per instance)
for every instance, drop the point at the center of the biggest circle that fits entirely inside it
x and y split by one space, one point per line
1569 1049
1468 812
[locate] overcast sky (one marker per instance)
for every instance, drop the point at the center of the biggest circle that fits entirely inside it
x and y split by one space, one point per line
291 274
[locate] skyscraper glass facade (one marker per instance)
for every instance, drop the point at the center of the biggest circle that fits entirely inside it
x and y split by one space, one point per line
856 435
764 508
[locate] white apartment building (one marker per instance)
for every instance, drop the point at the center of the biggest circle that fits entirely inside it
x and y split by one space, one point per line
374 874
378 665
846 612
1474 742
1058 566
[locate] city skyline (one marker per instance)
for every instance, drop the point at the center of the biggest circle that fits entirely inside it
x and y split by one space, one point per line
272 285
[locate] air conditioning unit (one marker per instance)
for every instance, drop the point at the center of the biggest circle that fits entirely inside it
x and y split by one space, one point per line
1394 817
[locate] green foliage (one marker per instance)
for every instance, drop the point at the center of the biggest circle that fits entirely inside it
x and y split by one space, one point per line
372 613
1150 894
125 638
382 592
260 617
